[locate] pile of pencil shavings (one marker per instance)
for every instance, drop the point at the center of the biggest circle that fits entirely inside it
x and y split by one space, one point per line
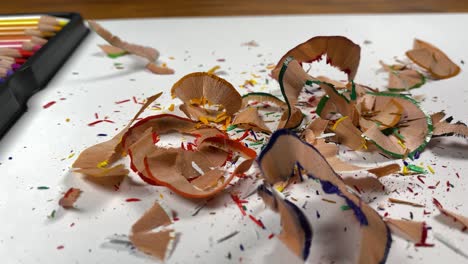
290 148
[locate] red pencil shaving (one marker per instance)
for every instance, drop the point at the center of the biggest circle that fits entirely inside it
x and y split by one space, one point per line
70 197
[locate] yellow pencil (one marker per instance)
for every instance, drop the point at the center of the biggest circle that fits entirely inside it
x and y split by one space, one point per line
32 20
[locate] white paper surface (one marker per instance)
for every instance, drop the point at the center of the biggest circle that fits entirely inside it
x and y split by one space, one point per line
36 151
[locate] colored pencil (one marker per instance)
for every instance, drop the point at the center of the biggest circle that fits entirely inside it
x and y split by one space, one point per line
32 20
30 46
9 65
4 72
15 53
37 33
11 45
38 40
41 27
16 60
15 38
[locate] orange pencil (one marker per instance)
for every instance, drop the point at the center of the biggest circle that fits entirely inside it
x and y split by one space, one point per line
38 40
14 38
38 33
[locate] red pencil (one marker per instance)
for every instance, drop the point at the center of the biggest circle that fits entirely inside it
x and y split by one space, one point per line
16 53
15 60
30 46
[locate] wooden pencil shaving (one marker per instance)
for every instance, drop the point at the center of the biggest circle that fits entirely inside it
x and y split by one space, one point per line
157 69
249 118
401 78
144 239
341 52
146 52
296 231
111 50
463 220
398 201
69 198
285 150
207 97
433 60
410 230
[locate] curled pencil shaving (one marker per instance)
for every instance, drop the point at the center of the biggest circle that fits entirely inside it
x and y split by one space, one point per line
70 197
111 50
195 173
341 52
157 69
463 220
285 151
401 78
446 128
330 151
144 239
97 160
433 60
411 230
207 97
296 231
250 118
146 52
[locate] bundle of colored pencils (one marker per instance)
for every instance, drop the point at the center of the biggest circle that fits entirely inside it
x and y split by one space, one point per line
21 37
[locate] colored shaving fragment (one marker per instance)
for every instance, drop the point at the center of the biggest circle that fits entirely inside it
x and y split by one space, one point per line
398 201
144 239
149 53
129 200
416 168
69 198
463 220
433 60
49 104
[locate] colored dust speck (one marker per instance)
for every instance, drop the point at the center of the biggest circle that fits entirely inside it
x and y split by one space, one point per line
52 215
60 247
102 135
129 200
49 104
43 188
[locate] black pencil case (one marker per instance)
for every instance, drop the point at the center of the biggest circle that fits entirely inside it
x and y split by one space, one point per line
39 69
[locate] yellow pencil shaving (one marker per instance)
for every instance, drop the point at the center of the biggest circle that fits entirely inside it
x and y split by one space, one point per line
171 107
255 76
401 144
204 120
214 69
405 170
220 115
220 119
338 122
71 155
430 169
363 144
161 196
279 188
103 164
